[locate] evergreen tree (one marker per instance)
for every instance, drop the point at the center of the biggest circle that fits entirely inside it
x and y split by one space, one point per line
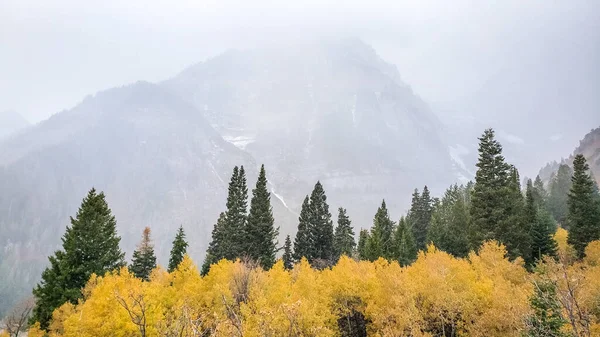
343 242
542 241
144 260
214 253
490 204
363 237
584 212
449 223
560 185
381 240
406 248
419 216
321 225
288 260
303 243
546 319
90 246
178 251
513 231
540 193
260 230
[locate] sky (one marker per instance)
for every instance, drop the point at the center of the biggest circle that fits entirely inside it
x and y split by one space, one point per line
509 63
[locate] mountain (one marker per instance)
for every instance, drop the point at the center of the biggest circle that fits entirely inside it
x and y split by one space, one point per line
11 122
163 153
589 147
334 112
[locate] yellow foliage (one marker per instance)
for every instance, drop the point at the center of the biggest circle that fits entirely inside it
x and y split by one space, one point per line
482 295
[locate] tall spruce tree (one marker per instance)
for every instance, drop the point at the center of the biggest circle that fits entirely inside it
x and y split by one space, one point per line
513 231
560 185
288 260
449 223
584 212
540 193
144 260
363 237
321 225
178 251
304 241
542 241
343 241
381 239
419 216
90 246
406 247
214 253
490 204
261 241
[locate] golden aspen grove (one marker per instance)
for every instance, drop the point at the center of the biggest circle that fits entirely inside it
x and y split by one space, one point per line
484 294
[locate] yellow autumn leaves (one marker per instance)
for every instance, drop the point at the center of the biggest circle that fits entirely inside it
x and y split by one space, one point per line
482 295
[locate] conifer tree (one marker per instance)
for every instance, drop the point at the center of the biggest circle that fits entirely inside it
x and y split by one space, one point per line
560 185
178 251
546 319
381 239
260 230
513 231
363 237
321 225
490 204
90 246
214 253
584 212
303 243
419 216
288 260
406 248
542 241
344 243
235 216
144 260
540 195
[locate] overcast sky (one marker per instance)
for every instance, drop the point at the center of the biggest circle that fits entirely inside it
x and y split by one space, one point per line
495 58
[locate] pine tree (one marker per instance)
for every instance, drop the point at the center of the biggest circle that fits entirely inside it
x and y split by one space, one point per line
303 243
419 216
214 253
584 212
546 319
490 204
540 195
260 230
381 240
406 248
513 231
343 242
560 186
144 260
90 246
321 225
288 261
363 237
178 251
542 241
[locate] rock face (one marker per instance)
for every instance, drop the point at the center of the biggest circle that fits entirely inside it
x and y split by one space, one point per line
163 153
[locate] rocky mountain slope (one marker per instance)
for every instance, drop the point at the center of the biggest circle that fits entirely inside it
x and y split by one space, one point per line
163 153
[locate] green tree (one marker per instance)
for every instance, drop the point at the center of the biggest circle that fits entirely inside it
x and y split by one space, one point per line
513 230
560 185
490 204
540 222
90 246
381 239
419 216
178 251
540 193
584 212
288 260
303 242
321 225
546 319
406 248
363 237
144 260
343 241
214 253
449 223
261 233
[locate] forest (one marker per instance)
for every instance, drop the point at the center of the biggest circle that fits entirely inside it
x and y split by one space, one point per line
490 258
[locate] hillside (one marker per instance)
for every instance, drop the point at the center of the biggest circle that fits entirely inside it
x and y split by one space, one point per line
11 122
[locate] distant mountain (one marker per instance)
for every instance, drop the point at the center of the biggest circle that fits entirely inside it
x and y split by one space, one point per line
11 122
589 146
163 153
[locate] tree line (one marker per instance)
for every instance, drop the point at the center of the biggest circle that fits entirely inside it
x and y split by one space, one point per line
492 208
